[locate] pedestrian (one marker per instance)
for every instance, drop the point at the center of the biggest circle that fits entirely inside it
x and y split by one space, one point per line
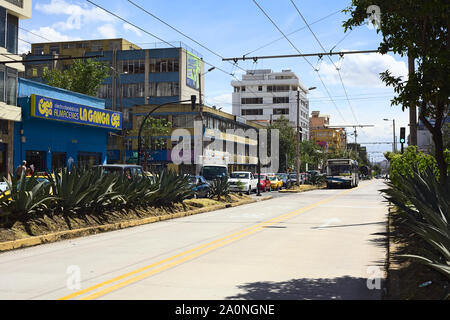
21 169
31 169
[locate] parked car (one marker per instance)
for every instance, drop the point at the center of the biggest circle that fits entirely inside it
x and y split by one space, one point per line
264 183
275 183
128 169
284 178
200 187
248 180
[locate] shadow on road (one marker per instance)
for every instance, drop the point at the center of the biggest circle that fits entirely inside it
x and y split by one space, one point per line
342 288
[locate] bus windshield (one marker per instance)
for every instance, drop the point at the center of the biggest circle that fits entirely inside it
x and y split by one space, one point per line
336 170
214 172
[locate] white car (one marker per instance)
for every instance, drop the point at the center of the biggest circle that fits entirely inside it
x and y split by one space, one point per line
248 180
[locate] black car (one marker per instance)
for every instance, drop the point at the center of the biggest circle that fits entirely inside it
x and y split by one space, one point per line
200 187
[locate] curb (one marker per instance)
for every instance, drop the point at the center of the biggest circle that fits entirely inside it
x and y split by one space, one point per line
70 234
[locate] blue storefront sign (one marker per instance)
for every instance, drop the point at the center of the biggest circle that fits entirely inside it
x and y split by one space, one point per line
53 109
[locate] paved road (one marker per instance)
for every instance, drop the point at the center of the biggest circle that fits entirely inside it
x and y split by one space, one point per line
315 245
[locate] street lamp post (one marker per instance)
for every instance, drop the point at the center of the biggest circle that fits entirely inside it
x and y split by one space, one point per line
192 100
201 102
298 136
119 92
394 145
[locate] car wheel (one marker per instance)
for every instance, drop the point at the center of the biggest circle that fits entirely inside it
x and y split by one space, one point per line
195 196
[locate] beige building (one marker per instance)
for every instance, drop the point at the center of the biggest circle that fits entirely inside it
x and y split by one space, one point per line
11 12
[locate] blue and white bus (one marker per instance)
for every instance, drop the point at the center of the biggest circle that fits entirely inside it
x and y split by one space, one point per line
342 172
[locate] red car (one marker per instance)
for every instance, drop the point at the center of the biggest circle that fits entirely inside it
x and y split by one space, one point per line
264 182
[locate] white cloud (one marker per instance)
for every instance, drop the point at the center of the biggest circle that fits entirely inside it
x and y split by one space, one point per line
107 30
128 27
35 36
362 70
79 15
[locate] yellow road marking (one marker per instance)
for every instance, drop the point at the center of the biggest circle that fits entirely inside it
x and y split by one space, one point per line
215 244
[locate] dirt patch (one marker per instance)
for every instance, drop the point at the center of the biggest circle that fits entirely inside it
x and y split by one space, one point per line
302 188
50 224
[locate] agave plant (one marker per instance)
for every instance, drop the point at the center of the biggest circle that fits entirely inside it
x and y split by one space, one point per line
425 205
136 191
24 196
78 189
172 188
220 188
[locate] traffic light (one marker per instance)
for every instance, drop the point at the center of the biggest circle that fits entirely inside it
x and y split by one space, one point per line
193 99
402 138
402 135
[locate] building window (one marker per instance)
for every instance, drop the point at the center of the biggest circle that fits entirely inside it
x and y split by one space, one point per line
96 46
278 88
259 88
251 100
54 49
236 89
280 99
2 27
251 112
164 65
12 33
243 88
38 50
279 111
11 86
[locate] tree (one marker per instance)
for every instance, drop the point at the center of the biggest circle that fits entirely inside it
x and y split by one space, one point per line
83 76
419 29
151 134
287 142
311 153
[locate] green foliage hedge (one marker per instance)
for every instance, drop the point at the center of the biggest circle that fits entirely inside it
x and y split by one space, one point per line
401 165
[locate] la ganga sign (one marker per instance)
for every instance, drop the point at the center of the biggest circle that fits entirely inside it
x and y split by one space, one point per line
53 109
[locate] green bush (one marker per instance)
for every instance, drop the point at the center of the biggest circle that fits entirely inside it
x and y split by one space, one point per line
424 204
401 165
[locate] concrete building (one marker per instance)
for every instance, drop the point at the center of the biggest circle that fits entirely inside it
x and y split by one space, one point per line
234 149
10 13
138 76
329 138
263 96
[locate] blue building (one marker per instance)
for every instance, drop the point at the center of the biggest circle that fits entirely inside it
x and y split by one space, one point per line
61 128
138 76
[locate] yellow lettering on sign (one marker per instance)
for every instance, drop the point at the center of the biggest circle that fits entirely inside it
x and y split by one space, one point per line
45 107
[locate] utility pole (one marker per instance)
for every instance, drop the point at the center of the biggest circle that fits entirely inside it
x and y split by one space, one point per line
298 139
412 109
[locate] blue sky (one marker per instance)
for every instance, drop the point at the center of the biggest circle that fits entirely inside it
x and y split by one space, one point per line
233 28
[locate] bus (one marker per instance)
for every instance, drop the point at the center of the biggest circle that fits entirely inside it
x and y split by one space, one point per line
214 171
342 172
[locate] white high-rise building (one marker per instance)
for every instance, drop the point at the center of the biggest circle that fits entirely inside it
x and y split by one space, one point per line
263 96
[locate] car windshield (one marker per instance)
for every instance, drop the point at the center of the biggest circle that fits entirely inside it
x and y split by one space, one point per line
261 177
192 180
112 169
282 176
213 172
293 176
272 178
239 175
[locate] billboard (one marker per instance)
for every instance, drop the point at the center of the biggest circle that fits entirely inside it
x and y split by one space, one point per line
193 70
53 109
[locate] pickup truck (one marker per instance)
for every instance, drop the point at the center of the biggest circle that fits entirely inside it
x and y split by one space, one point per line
248 180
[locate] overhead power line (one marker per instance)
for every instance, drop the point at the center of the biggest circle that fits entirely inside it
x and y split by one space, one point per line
291 33
329 57
50 59
31 32
317 71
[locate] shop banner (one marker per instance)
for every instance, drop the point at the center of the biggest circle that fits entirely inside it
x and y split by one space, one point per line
53 109
193 70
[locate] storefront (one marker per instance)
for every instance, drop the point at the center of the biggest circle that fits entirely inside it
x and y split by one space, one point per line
61 128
